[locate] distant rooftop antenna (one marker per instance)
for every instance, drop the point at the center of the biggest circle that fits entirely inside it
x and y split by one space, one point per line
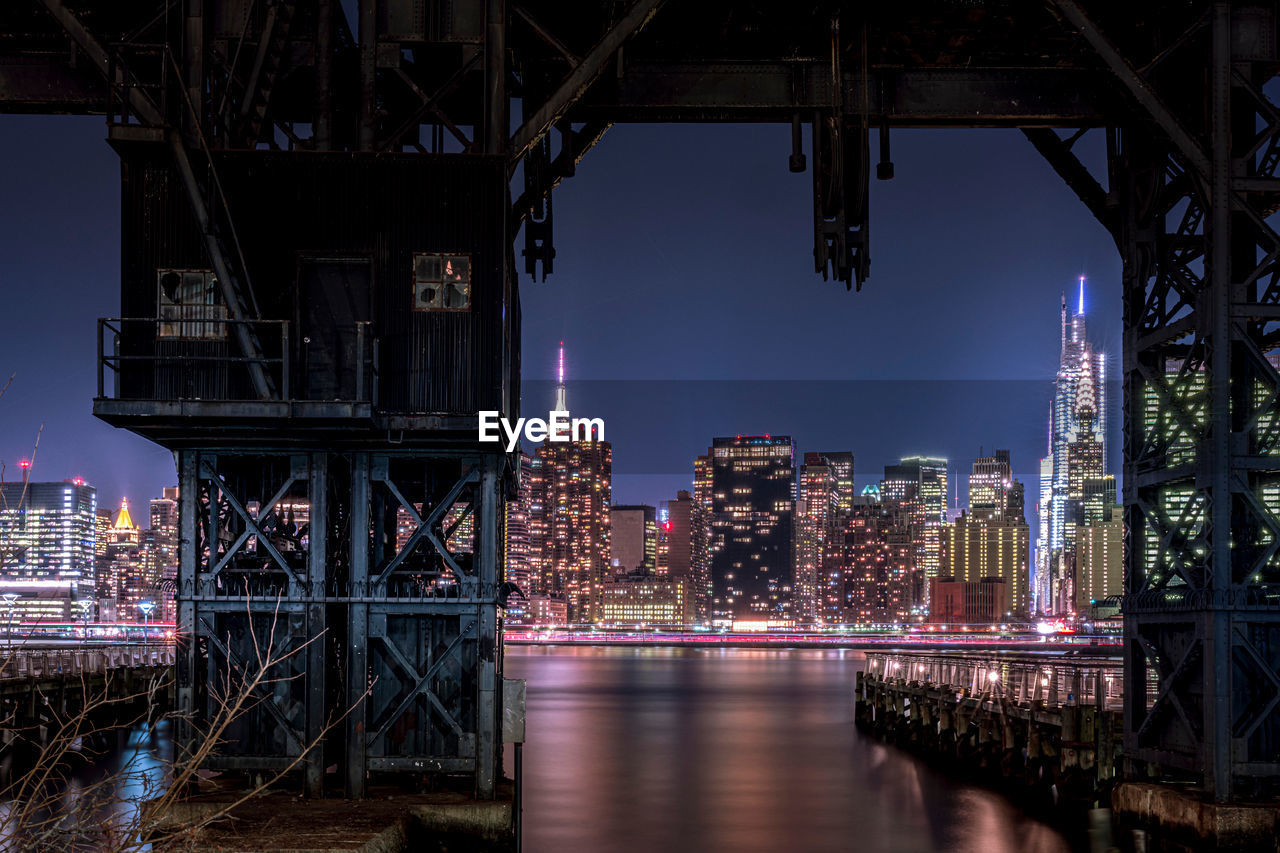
562 404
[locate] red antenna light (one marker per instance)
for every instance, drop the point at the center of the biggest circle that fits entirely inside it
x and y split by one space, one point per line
79 481
24 464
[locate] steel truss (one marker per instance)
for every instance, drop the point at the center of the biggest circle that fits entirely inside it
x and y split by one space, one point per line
1192 142
376 576
1193 184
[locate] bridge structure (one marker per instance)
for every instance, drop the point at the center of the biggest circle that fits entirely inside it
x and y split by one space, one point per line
322 206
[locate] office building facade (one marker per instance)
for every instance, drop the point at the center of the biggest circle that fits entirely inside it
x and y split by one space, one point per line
752 506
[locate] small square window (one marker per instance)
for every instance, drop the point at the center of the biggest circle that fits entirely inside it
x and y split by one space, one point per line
441 282
188 306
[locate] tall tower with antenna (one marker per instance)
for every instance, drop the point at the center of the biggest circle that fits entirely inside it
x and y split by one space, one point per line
569 521
1078 418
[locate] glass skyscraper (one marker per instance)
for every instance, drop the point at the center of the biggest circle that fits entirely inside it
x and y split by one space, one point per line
1077 455
48 535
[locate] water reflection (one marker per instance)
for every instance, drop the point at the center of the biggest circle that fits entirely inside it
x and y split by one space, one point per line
90 801
739 750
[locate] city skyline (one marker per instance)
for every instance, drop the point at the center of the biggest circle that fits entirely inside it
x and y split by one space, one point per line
996 251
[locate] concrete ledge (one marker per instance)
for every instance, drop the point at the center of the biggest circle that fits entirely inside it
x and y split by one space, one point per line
1184 816
490 821
388 822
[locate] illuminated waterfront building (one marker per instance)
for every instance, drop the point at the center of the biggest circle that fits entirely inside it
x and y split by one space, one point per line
517 565
546 610
917 486
992 539
977 549
701 542
752 504
47 544
1077 452
132 568
818 580
570 500
1041 576
683 547
645 600
1099 559
164 533
101 524
137 576
877 566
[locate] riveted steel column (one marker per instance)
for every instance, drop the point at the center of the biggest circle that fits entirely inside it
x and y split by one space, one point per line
357 626
188 570
487 711
1216 621
317 568
495 76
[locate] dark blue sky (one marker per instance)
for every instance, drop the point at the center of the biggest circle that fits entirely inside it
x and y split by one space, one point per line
684 267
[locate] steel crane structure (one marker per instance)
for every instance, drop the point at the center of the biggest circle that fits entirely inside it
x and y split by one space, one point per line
322 203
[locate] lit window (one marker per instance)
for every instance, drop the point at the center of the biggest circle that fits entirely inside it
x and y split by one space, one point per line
441 282
188 306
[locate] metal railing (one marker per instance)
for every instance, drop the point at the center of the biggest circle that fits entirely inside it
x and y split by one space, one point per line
196 358
1055 680
23 663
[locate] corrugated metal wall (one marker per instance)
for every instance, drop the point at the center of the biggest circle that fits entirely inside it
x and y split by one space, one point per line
290 205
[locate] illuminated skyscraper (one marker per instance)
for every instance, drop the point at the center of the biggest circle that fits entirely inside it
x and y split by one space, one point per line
1077 452
1099 559
164 533
978 549
993 493
517 566
47 544
841 464
917 486
876 564
992 540
1041 577
701 542
571 491
818 580
752 503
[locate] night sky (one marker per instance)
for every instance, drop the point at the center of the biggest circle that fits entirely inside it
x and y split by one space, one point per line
684 291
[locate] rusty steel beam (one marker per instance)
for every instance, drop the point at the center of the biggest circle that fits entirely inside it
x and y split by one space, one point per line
142 106
1137 85
1058 154
580 78
905 97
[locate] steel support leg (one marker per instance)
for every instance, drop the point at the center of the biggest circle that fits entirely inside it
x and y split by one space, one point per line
317 571
188 567
358 627
487 710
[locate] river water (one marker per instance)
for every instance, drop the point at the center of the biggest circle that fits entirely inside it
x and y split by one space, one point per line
679 750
